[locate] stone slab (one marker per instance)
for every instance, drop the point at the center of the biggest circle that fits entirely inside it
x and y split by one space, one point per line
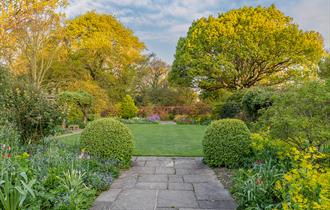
175 178
223 204
211 191
139 163
108 196
150 158
202 171
185 163
159 163
183 171
199 178
152 178
126 183
135 199
164 170
143 170
151 185
176 199
101 206
180 186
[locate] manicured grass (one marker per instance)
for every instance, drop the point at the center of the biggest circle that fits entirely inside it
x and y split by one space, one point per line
161 140
168 140
70 139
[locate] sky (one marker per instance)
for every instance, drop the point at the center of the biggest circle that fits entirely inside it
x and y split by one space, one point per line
160 23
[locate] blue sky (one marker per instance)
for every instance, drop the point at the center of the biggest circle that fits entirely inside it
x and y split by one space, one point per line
159 23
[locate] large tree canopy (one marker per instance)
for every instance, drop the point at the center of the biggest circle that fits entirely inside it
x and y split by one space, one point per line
103 42
30 36
100 49
244 47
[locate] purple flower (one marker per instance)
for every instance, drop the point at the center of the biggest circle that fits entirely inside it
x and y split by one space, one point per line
154 117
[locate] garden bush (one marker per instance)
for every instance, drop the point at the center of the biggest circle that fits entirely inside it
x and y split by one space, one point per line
76 103
8 135
226 142
33 114
111 111
229 105
255 100
128 108
108 138
27 109
183 119
300 116
230 109
200 108
5 92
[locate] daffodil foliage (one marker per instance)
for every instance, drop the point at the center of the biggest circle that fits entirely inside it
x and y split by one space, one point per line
244 47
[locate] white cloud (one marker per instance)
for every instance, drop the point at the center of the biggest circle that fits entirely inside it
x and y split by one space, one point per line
78 7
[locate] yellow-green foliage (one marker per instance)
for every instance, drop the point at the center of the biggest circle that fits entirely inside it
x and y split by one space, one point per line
106 49
226 142
307 184
128 108
108 138
100 97
244 47
263 147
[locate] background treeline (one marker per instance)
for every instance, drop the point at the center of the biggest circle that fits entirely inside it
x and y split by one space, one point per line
93 66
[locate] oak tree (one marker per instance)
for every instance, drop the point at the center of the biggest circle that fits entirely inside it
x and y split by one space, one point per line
244 47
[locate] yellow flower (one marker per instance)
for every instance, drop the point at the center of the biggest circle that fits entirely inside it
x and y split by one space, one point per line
25 155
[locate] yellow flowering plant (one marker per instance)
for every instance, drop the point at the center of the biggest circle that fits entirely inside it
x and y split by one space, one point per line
307 184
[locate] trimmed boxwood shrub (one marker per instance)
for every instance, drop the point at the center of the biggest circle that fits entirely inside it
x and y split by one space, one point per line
226 142
108 138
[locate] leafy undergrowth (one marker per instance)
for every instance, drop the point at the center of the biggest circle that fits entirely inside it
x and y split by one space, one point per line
51 176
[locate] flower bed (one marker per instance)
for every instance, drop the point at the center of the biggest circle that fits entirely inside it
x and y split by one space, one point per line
51 176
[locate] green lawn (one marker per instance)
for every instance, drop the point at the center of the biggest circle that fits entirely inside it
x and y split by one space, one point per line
161 140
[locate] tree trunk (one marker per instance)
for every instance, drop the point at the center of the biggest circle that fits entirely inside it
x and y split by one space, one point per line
85 113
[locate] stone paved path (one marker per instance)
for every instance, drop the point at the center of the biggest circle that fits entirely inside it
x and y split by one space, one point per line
164 183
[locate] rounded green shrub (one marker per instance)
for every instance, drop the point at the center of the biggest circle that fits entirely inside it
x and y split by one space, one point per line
226 142
108 138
